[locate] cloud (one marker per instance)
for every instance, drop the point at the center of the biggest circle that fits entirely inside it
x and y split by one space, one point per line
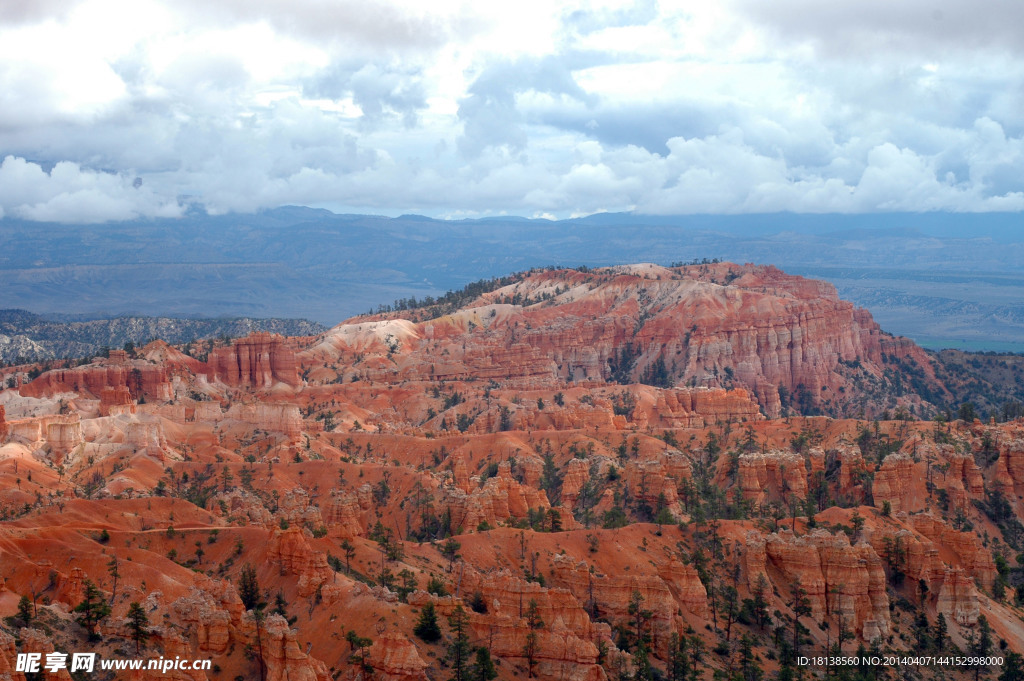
458 108
649 125
38 87
382 91
490 113
14 12
69 194
592 18
381 25
863 28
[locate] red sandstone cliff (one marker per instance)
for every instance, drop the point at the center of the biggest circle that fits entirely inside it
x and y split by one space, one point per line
844 584
141 378
256 361
779 336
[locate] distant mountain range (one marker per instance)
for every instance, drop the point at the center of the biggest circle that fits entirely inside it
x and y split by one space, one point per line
26 337
946 280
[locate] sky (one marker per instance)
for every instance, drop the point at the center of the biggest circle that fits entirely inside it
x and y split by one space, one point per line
122 109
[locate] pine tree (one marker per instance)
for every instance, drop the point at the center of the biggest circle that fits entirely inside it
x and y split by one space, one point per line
761 614
550 479
25 610
249 593
941 633
359 646
280 605
801 607
554 520
640 617
408 584
857 520
138 623
696 654
483 667
534 622
426 627
350 552
642 664
679 658
92 610
258 617
750 670
114 572
729 608
684 657
450 550
786 671
459 650
249 588
980 645
921 628
1013 668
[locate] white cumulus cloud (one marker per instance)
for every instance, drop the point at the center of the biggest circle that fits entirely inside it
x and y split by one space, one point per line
458 108
70 194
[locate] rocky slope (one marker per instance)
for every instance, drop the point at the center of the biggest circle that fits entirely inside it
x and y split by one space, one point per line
987 383
790 342
25 337
292 508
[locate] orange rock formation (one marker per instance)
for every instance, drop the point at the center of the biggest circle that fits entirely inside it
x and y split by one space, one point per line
599 444
256 361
